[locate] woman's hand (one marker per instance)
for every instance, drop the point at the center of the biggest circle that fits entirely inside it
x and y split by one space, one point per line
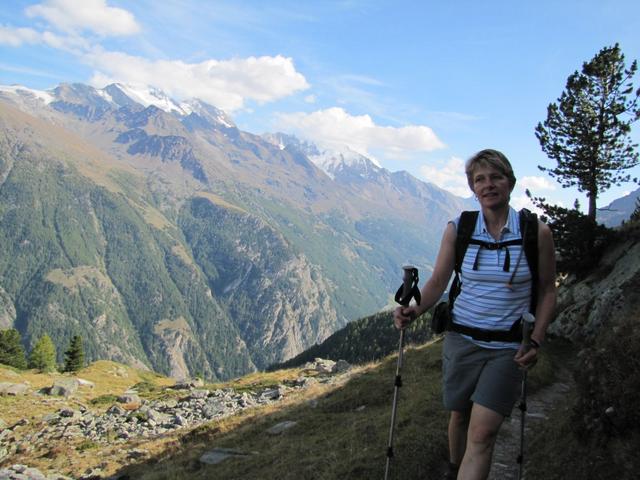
527 356
403 316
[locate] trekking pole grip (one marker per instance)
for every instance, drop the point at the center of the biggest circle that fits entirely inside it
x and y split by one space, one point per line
528 321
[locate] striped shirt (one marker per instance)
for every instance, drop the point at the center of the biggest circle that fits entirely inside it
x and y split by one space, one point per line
485 301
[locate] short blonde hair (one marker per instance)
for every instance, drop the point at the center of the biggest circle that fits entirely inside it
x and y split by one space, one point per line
490 158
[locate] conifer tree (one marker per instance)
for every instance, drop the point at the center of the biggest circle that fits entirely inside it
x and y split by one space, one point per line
635 216
587 131
11 349
74 356
43 355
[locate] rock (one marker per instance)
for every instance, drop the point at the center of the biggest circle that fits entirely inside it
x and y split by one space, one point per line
85 383
13 389
188 384
116 410
281 427
137 453
341 366
323 366
67 412
199 394
217 455
63 387
271 394
130 398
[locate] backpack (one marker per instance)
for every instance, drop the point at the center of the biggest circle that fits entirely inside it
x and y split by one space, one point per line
442 318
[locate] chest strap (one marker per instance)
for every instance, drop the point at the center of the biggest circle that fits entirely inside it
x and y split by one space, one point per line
495 246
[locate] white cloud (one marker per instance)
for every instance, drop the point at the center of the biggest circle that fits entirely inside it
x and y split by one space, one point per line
522 201
87 15
334 128
310 98
448 175
536 183
227 84
15 37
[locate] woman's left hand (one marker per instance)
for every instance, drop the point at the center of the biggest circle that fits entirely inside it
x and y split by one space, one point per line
527 356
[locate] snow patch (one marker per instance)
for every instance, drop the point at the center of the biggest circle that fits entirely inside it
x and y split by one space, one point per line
19 90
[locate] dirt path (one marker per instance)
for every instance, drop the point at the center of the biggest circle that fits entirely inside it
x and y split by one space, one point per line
539 404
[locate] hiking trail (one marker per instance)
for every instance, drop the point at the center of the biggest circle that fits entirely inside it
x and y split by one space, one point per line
539 405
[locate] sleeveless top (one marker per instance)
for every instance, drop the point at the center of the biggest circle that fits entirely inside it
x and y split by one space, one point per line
485 300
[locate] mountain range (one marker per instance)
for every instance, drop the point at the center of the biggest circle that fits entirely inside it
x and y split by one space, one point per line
170 239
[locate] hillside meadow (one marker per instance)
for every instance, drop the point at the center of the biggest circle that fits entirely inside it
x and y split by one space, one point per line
341 427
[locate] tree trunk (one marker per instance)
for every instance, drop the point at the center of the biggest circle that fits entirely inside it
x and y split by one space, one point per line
592 205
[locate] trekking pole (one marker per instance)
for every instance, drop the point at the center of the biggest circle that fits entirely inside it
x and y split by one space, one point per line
527 326
408 290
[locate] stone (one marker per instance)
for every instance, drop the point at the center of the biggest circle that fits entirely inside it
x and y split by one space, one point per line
13 389
132 398
67 412
323 366
63 387
116 410
217 455
341 366
199 394
281 427
85 383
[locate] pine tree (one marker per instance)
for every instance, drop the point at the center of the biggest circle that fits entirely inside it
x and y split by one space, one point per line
43 355
635 215
11 349
587 131
74 356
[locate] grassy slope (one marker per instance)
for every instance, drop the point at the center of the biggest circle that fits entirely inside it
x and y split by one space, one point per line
342 434
342 429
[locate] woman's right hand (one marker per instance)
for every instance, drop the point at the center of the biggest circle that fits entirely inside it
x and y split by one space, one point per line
403 316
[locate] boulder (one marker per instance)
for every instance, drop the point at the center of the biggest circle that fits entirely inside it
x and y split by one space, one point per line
13 389
129 398
63 387
341 366
323 366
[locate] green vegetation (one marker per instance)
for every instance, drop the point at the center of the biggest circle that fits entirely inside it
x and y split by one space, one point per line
364 340
596 434
11 349
579 240
74 356
588 131
341 434
43 355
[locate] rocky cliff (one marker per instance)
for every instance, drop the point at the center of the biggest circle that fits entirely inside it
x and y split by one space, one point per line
608 293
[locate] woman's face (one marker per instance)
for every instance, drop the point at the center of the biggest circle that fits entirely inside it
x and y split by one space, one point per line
491 187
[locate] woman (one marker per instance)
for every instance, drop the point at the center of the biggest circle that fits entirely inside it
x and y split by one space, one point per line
481 379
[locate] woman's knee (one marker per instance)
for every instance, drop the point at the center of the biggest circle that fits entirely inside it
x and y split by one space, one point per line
460 417
482 433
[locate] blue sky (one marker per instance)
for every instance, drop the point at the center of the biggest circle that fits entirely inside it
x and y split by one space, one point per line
416 85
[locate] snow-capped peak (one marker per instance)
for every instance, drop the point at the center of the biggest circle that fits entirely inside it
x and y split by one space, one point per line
145 96
205 110
335 161
19 90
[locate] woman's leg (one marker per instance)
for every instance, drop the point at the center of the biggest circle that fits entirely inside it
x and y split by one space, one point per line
484 425
458 425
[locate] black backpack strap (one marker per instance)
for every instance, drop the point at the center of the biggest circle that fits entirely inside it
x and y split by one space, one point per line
466 226
529 232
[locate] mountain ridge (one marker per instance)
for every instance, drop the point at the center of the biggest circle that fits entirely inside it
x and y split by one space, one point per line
304 253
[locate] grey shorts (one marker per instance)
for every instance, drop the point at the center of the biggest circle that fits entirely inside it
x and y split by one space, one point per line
472 374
